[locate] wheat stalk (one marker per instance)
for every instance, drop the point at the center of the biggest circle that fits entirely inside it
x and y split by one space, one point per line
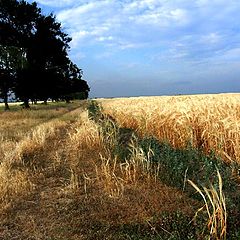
215 205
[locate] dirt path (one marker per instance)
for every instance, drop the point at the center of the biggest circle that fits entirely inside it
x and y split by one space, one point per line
32 217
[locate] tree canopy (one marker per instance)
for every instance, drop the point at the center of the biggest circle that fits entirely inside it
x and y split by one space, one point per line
34 61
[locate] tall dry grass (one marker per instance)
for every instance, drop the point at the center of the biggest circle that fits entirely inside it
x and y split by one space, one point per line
215 206
114 176
84 145
14 172
208 122
96 142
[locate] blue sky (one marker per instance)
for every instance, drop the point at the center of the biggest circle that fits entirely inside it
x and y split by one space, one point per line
153 47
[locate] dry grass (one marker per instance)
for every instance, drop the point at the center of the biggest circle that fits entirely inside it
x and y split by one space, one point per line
24 135
108 177
115 177
14 184
215 206
132 184
14 173
17 124
208 122
85 134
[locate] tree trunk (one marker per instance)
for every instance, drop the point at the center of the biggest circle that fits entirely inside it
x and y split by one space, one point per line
26 104
67 99
6 108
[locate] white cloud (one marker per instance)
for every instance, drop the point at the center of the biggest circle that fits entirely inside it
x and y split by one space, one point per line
78 36
122 21
162 17
192 32
136 6
56 3
103 39
211 38
77 56
229 55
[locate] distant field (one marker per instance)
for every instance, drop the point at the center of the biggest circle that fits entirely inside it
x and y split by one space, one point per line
16 103
11 103
208 122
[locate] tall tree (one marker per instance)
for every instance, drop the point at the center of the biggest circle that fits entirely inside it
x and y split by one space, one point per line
5 83
11 59
48 71
17 26
48 56
76 87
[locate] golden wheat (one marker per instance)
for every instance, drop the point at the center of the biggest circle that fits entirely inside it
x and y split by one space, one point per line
208 122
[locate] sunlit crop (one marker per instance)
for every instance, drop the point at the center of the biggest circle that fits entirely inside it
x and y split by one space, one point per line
207 122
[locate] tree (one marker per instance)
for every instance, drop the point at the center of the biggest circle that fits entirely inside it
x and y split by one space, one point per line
5 81
76 87
17 22
48 58
11 58
47 71
17 26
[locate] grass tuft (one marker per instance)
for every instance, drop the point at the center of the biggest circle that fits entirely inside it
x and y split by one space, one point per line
215 206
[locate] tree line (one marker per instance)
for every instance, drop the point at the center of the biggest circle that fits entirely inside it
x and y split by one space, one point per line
34 61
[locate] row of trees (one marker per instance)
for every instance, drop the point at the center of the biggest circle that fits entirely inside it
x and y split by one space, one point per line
34 61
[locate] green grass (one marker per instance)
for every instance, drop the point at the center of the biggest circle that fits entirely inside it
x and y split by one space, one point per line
16 106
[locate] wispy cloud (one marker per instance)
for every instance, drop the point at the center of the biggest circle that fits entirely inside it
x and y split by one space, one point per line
123 21
166 39
56 3
127 24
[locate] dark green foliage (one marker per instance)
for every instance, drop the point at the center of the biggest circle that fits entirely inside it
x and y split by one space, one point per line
233 220
38 61
76 87
11 58
5 86
17 21
176 225
124 138
165 226
94 111
179 164
118 138
17 24
136 232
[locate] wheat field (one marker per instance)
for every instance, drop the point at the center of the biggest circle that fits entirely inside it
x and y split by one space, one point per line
208 122
71 172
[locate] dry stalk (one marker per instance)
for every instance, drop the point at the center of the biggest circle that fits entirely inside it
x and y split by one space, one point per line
113 185
74 180
138 165
215 206
13 183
